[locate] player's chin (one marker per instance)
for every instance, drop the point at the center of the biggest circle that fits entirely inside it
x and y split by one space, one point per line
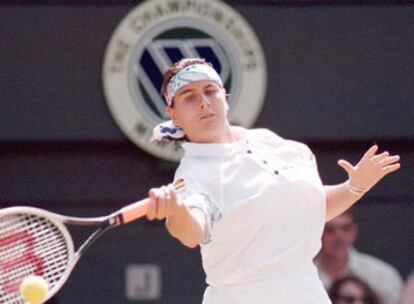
210 123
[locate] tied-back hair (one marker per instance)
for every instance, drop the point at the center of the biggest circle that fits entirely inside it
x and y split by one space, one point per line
175 68
370 296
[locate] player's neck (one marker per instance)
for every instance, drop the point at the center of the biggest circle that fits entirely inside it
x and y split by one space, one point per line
223 134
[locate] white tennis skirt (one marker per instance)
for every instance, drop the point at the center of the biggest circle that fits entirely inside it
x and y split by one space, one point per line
297 287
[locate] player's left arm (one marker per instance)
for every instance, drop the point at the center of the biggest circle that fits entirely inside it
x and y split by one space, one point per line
370 169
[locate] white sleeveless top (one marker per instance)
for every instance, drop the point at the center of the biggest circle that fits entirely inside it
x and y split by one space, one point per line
265 206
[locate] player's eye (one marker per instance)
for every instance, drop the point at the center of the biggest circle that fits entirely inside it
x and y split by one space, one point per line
190 98
210 91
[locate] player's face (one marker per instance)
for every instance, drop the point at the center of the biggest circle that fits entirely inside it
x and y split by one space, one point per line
339 234
200 108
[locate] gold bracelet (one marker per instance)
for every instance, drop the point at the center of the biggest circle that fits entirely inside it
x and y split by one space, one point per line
354 190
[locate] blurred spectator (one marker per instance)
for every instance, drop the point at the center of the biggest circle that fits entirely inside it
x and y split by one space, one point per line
338 258
408 292
352 290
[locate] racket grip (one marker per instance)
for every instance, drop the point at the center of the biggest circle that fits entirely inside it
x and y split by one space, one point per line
134 211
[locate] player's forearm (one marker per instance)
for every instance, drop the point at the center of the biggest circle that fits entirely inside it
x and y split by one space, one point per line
338 199
187 225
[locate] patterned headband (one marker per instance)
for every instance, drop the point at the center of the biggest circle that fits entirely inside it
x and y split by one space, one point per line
167 130
188 75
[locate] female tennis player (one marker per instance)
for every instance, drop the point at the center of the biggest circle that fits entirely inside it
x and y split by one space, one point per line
254 201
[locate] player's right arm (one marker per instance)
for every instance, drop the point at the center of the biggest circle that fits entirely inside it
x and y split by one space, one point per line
186 224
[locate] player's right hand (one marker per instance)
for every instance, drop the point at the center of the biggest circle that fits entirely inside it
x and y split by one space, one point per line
164 202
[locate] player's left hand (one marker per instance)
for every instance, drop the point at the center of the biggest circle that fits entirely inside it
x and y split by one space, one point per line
370 169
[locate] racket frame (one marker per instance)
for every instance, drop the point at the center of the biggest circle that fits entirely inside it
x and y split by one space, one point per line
122 216
58 221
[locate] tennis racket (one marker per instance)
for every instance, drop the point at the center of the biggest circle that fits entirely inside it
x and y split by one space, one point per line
37 242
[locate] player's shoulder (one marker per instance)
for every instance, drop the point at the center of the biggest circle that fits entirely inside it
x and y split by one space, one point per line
193 165
269 137
263 134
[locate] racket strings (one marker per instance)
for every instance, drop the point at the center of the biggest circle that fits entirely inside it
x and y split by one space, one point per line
29 245
41 236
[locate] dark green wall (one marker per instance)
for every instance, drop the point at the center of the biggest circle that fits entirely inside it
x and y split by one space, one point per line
340 77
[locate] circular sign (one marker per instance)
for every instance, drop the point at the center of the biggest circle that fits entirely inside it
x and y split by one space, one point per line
158 33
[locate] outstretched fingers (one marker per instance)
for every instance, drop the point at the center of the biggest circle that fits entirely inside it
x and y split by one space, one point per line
380 157
390 160
388 164
370 153
371 168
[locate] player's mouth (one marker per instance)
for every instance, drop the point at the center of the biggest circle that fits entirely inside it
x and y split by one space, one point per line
207 116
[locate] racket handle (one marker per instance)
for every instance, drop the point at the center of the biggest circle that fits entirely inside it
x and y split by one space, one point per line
134 211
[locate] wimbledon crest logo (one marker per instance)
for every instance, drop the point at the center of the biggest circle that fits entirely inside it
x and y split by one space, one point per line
158 33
